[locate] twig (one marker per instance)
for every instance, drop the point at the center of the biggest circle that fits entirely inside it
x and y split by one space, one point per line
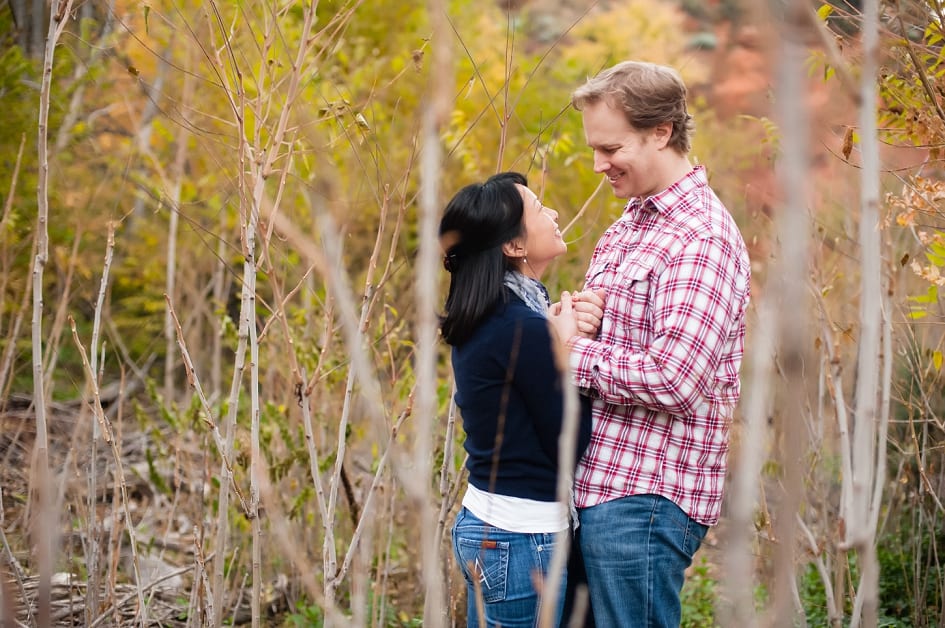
207 410
584 207
10 351
143 589
15 565
173 204
202 574
832 613
7 604
14 177
248 221
384 564
107 434
395 236
254 173
366 513
98 49
567 446
54 335
92 556
239 599
920 71
370 387
840 404
446 469
283 536
305 402
923 473
879 481
846 79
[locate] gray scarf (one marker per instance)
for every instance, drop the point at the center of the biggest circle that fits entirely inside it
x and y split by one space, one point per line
529 290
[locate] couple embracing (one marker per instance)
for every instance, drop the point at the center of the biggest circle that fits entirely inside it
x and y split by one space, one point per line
654 342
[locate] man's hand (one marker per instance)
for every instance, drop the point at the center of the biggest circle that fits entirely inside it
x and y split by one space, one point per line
589 311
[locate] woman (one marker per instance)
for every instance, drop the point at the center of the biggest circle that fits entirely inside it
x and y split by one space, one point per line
498 240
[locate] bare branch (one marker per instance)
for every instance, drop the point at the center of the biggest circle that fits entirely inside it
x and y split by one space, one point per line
108 435
45 523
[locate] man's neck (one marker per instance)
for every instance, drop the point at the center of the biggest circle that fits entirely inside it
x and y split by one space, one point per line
670 169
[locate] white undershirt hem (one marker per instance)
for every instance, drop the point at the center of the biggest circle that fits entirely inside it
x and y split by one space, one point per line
516 514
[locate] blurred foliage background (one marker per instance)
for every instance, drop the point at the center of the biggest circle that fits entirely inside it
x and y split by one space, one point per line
162 114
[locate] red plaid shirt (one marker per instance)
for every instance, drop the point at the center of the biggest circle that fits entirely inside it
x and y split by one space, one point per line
664 367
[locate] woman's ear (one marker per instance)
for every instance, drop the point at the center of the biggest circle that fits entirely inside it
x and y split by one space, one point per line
514 248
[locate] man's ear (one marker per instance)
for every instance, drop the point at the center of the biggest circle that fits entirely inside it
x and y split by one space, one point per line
661 133
514 248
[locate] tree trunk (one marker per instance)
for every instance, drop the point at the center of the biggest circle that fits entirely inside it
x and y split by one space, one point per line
37 26
19 11
862 530
434 117
44 523
794 337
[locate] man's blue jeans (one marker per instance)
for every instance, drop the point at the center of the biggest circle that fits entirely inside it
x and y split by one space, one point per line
636 550
509 567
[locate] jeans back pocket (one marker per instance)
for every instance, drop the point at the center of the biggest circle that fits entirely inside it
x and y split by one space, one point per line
484 561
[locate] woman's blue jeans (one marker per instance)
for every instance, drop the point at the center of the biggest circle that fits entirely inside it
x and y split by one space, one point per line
636 550
507 569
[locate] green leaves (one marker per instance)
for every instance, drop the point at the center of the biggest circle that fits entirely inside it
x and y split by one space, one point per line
925 301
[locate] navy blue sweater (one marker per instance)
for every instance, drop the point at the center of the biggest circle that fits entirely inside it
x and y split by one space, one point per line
508 390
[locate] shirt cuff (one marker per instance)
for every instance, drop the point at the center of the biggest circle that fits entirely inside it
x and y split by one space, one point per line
581 357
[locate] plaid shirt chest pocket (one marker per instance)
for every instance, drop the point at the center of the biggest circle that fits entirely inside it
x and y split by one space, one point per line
628 319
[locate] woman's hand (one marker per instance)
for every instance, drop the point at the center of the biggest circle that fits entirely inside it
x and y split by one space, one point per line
563 318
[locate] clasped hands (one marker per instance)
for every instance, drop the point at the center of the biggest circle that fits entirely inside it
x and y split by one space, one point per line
577 314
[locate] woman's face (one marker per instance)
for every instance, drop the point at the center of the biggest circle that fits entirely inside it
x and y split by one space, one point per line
542 241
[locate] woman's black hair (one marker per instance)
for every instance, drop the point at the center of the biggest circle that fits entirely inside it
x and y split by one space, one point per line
476 223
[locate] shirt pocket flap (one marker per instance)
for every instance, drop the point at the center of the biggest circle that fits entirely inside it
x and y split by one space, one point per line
636 268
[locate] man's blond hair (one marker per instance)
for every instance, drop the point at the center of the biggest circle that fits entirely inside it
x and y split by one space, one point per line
647 93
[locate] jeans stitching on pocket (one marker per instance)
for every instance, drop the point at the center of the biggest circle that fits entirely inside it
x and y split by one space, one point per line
489 565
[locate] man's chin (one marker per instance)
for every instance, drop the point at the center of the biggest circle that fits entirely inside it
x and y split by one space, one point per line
621 194
619 190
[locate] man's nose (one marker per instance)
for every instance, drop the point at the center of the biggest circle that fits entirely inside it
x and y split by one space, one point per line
600 163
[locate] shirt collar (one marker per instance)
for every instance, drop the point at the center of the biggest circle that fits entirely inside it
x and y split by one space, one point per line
668 200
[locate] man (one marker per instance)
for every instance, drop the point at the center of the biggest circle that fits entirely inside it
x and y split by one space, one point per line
663 370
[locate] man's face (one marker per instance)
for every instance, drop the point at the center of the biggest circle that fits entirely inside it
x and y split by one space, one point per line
627 156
